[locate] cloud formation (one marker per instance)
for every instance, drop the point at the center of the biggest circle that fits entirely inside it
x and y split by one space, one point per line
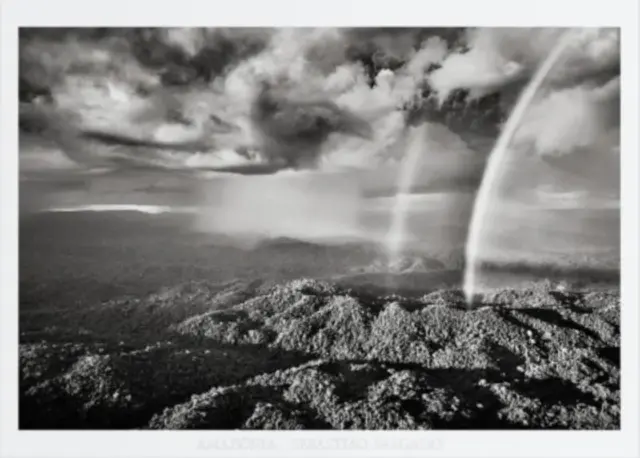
101 83
201 85
579 105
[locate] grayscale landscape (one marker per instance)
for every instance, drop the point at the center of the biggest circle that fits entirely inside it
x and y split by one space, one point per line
243 228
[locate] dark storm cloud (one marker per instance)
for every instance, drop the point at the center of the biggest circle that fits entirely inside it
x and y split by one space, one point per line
202 85
164 77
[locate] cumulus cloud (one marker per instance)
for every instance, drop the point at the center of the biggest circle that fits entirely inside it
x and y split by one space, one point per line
497 56
578 107
100 83
573 118
191 83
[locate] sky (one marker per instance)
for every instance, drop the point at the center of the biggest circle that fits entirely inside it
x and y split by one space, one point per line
198 87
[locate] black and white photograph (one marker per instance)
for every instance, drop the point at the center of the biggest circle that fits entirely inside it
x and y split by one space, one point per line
319 228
